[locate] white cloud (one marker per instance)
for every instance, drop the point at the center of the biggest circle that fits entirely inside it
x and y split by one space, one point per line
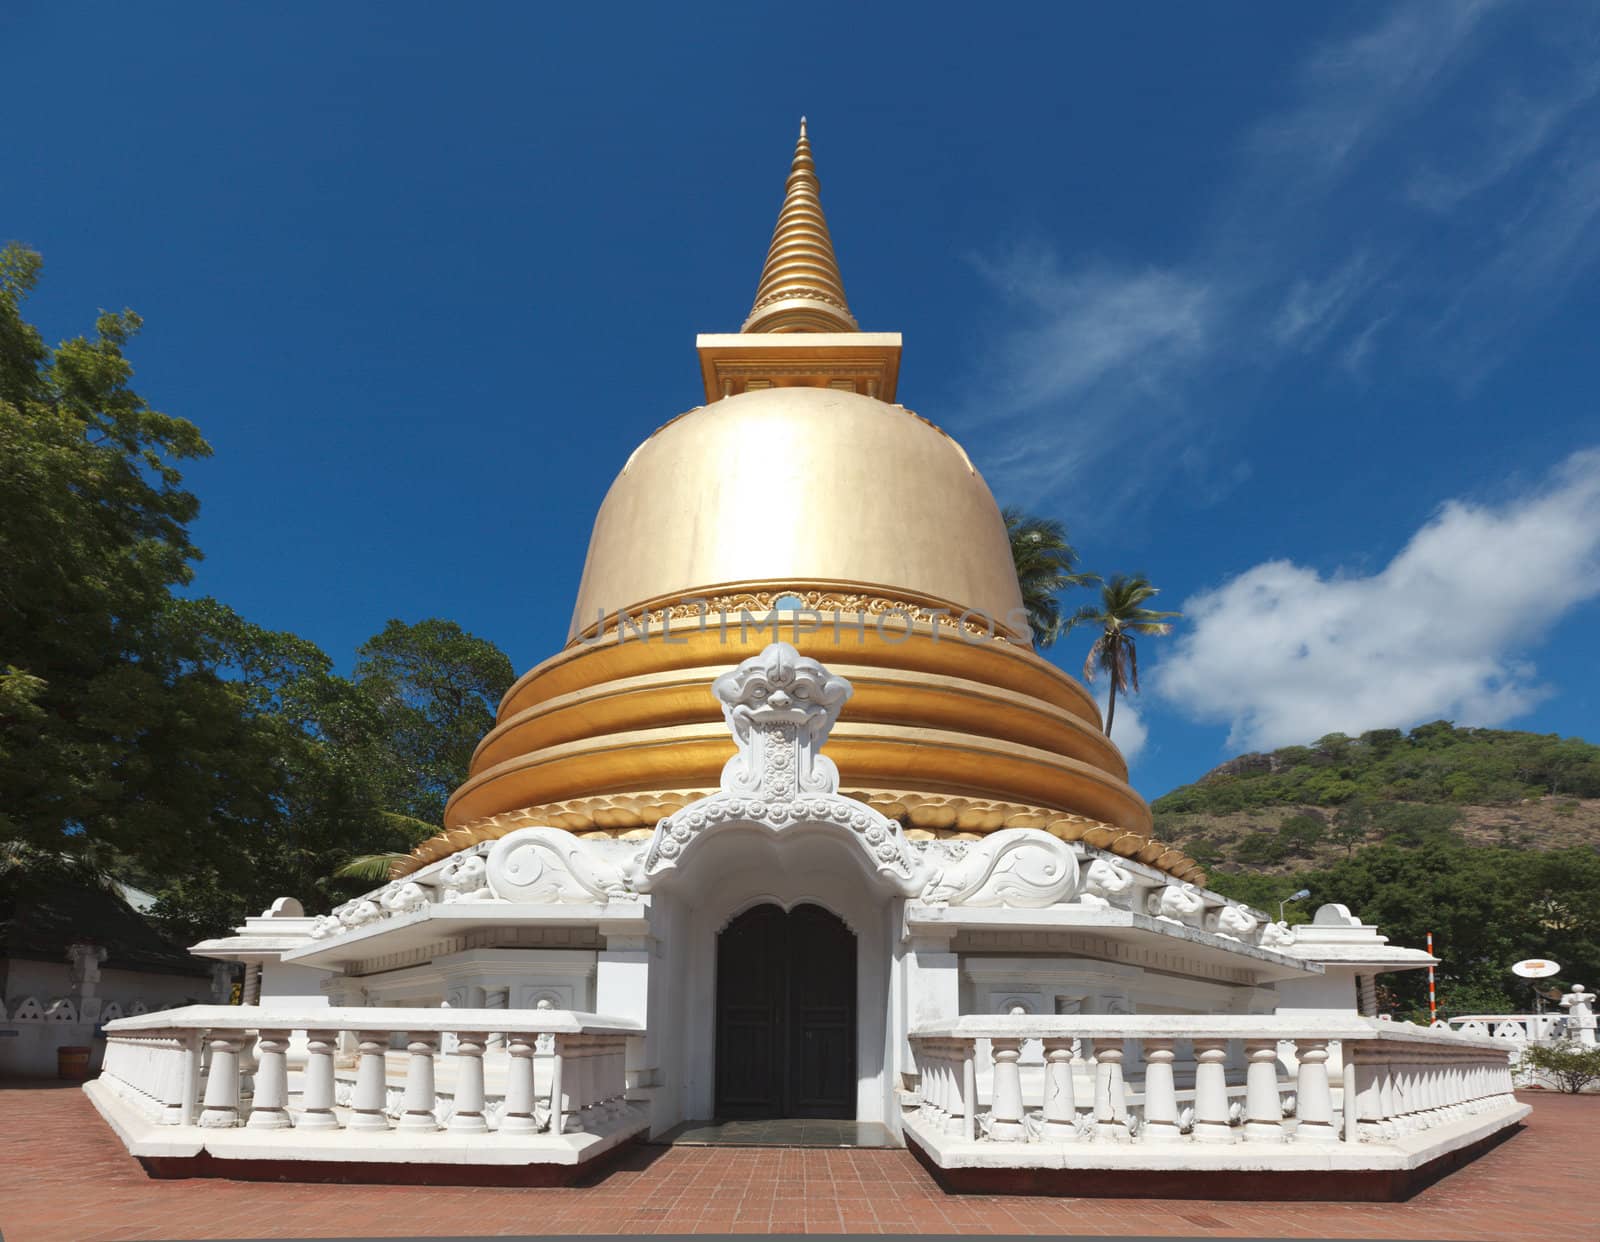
1128 729
1284 655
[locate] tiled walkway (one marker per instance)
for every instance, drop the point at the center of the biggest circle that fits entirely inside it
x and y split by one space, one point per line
63 1175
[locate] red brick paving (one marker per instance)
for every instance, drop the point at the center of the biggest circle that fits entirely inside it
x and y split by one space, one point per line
64 1175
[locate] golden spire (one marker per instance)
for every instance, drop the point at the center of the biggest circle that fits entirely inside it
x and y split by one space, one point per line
801 289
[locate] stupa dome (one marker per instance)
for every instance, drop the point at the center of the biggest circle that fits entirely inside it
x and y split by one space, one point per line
800 502
795 485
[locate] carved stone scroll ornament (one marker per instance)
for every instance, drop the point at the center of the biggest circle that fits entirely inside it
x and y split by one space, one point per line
1103 882
780 707
548 866
1014 867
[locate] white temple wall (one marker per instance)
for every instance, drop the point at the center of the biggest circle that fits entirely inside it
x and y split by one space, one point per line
490 979
47 981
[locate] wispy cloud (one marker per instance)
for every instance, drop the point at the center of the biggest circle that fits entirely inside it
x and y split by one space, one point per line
1508 128
1336 237
1283 654
1352 92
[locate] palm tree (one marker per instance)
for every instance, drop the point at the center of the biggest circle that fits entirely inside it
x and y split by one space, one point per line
1044 562
1120 616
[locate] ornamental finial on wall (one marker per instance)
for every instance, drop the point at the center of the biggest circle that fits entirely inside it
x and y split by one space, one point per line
780 707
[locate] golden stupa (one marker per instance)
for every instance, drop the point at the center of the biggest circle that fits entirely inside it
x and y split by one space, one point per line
801 482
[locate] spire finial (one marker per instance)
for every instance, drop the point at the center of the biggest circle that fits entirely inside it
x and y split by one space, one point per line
801 289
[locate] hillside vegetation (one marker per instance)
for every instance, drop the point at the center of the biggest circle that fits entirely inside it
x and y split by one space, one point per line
1488 838
1303 805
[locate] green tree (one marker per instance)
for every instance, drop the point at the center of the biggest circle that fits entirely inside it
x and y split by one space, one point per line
93 536
166 740
1121 617
1046 565
1351 824
1300 833
436 688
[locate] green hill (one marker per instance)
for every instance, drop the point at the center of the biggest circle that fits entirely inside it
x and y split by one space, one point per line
1305 805
1488 838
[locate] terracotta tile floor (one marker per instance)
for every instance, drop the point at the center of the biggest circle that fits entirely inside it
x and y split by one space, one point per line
64 1175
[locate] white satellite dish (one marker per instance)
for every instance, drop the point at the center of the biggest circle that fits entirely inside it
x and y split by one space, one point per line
1536 968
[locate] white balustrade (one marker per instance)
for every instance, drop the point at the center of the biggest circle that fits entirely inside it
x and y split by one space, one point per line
1397 1080
155 1063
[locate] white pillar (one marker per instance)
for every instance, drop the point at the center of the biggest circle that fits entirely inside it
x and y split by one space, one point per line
1060 1107
468 1115
1315 1107
269 1109
520 1116
1006 1117
418 1108
1160 1094
318 1093
1110 1098
222 1082
367 1105
1211 1092
1263 1110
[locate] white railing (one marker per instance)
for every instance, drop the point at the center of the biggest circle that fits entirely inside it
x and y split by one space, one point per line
1397 1080
1527 1028
194 1066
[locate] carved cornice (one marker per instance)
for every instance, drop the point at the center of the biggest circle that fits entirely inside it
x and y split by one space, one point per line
760 600
926 817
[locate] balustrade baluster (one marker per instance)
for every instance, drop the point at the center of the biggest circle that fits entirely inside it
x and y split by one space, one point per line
968 1068
1314 1098
319 1082
563 1100
957 1098
269 1109
1060 1106
370 1097
935 1085
1006 1112
1160 1093
467 1117
519 1116
1110 1096
222 1082
420 1096
1263 1109
588 1085
1211 1091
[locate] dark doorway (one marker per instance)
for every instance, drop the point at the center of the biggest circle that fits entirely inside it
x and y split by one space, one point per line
786 1015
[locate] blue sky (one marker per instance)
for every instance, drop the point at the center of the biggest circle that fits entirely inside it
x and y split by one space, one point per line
1292 307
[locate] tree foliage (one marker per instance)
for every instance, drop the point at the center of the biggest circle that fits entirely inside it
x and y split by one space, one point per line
1121 619
212 761
1046 565
436 688
1434 763
1487 907
1570 1065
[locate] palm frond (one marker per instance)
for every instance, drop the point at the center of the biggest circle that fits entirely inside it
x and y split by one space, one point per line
374 867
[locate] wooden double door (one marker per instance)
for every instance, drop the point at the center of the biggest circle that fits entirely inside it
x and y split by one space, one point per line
786 1015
